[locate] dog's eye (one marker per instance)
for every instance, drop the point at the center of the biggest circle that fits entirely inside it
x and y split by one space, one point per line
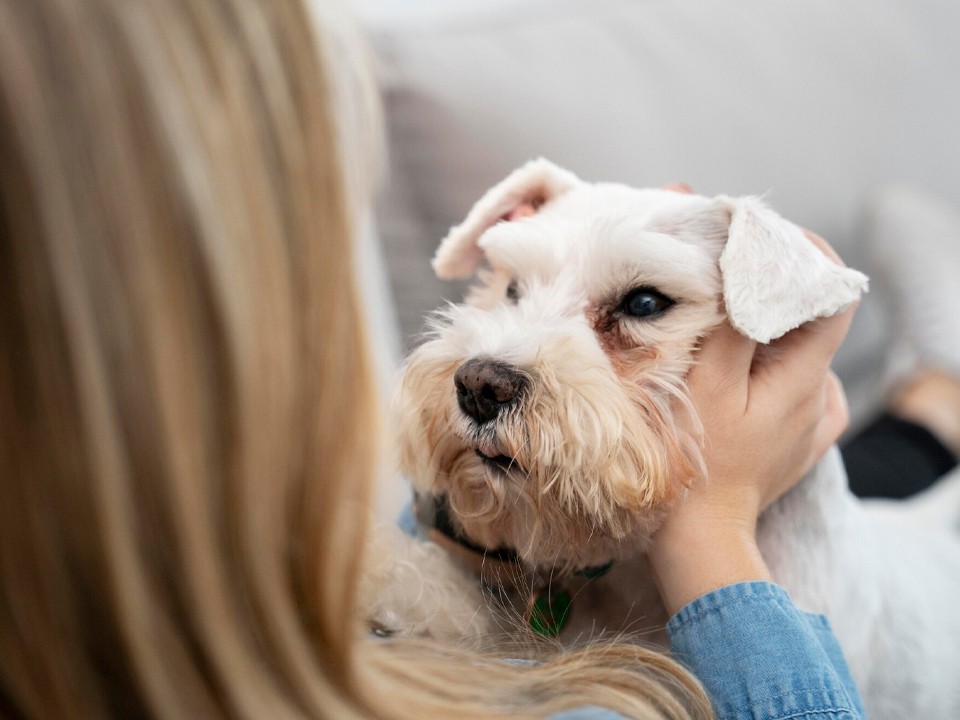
645 303
513 291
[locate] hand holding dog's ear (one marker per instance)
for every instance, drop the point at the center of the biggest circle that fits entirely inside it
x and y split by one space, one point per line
773 279
767 418
785 397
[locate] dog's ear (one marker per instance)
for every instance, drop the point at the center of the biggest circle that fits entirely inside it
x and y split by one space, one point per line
521 193
774 278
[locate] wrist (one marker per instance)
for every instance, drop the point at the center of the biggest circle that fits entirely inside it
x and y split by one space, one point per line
688 564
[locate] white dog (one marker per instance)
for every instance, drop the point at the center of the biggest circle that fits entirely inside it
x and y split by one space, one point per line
540 426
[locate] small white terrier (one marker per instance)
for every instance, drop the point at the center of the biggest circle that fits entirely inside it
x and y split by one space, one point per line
542 427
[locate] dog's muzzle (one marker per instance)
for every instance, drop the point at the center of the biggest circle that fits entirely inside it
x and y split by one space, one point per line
485 388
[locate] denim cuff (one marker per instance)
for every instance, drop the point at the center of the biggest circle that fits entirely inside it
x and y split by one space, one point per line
760 658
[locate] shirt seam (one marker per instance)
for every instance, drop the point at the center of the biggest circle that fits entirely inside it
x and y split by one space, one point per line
824 691
698 613
814 713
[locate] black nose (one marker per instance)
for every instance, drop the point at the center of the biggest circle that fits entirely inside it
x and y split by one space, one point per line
486 387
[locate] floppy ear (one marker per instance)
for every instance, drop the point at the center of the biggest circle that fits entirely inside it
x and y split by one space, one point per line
774 278
531 186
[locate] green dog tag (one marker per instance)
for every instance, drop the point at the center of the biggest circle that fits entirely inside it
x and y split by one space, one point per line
551 610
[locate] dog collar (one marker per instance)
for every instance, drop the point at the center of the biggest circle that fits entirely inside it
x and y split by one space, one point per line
501 569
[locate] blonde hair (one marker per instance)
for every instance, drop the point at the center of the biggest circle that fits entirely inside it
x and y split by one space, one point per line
187 425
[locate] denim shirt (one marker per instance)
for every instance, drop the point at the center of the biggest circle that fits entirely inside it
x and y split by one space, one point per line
759 658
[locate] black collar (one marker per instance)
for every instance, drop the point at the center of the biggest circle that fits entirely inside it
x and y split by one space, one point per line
434 516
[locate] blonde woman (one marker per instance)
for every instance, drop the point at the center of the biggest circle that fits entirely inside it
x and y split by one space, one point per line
187 430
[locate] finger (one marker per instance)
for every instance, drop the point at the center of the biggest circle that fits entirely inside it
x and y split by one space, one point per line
815 343
726 348
724 358
811 347
830 421
679 187
825 247
835 419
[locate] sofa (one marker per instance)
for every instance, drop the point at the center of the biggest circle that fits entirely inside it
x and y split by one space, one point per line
818 105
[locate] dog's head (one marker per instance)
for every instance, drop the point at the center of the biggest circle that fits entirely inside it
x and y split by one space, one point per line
550 408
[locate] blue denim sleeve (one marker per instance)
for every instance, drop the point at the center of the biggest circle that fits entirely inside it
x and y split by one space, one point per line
760 658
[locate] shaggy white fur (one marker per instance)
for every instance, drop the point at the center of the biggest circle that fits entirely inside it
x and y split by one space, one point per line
595 305
412 586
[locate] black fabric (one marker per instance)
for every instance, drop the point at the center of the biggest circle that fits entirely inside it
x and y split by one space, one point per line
894 458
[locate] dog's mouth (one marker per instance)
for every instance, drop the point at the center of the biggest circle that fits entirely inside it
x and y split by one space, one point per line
500 463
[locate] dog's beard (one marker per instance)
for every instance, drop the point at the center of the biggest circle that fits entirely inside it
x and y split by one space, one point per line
577 474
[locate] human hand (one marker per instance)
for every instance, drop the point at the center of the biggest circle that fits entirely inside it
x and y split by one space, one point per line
767 417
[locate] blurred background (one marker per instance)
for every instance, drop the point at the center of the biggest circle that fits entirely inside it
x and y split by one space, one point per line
819 103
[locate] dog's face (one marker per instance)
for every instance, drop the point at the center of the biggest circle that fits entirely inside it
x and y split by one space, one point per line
550 407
